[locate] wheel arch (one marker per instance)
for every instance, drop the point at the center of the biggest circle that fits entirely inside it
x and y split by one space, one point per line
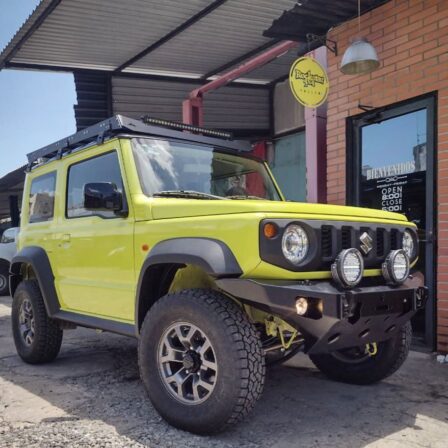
35 257
213 257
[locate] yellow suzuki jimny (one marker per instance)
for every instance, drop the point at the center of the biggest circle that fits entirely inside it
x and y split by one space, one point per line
181 238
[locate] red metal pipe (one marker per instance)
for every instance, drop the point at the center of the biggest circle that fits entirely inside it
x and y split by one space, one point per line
192 108
246 67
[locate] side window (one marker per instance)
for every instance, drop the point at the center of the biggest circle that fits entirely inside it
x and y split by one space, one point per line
104 168
42 198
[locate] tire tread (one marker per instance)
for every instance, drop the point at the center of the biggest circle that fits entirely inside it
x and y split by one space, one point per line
48 334
245 338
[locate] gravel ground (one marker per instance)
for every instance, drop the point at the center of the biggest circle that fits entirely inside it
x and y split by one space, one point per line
91 396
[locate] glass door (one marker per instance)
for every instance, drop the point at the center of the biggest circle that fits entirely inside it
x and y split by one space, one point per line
391 162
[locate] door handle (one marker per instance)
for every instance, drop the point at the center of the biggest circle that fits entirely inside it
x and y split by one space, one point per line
65 238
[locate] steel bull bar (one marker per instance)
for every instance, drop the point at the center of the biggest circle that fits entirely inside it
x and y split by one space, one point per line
336 318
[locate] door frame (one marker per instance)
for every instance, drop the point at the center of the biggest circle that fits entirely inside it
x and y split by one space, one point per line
353 166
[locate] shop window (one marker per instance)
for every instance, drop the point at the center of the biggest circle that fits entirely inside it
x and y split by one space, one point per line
393 165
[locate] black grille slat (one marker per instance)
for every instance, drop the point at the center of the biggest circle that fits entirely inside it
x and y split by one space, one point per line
346 240
326 241
393 239
380 242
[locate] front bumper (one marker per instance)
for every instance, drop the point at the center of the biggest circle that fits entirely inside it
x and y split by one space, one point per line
338 318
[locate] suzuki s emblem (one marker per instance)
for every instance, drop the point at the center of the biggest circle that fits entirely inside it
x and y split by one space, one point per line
366 242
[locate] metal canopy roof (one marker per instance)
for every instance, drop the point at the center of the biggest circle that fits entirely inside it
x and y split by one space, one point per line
194 39
11 185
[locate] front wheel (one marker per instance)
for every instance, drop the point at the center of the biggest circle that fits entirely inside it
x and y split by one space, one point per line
357 366
201 360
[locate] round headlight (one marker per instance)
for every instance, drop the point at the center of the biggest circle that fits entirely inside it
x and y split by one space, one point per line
408 244
295 243
348 267
396 267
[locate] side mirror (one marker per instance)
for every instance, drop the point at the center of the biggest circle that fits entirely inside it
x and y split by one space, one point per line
102 196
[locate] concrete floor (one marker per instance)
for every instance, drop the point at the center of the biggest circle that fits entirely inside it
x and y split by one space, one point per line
92 396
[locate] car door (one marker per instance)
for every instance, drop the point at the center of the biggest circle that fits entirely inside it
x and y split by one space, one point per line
95 258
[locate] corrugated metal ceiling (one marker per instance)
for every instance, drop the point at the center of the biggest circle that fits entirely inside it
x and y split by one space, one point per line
231 30
101 34
104 34
173 37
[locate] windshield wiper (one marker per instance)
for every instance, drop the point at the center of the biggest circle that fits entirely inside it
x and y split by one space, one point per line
243 196
185 194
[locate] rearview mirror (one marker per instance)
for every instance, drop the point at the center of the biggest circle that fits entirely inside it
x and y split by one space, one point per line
102 196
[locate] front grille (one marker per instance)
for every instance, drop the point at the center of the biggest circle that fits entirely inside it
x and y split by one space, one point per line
337 237
328 238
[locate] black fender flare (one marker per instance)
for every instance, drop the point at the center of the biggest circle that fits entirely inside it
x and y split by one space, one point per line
213 256
38 259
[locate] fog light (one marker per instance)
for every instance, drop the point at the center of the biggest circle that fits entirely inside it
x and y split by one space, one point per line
396 267
348 267
301 306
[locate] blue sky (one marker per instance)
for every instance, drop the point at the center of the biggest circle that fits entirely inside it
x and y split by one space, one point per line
36 108
393 140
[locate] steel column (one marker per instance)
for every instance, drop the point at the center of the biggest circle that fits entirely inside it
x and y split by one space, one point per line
316 143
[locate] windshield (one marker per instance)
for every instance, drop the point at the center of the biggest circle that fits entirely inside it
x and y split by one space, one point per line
168 167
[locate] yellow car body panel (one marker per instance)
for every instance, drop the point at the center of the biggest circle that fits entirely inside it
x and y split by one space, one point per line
97 266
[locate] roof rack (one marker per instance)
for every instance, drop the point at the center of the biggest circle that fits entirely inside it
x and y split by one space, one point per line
119 124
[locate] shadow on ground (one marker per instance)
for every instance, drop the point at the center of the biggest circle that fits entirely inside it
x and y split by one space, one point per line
95 381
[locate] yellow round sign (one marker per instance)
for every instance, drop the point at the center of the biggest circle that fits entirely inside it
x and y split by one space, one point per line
309 82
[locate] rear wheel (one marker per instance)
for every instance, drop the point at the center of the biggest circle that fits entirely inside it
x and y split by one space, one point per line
357 366
37 337
201 360
4 275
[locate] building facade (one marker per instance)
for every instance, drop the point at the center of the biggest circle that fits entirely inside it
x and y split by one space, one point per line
387 133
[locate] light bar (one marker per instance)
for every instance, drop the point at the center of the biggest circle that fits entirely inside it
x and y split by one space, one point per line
185 127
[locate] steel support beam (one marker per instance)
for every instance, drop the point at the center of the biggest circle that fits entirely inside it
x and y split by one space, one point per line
192 107
316 143
45 13
64 69
240 59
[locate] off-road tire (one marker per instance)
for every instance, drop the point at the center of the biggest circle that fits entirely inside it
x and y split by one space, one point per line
389 358
4 278
47 334
239 357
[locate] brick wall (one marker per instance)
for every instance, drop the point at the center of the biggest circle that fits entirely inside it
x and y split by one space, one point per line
411 38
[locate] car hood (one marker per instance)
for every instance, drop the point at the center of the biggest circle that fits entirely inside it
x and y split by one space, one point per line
168 208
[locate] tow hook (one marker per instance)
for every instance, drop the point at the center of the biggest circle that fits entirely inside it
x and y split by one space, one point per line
371 349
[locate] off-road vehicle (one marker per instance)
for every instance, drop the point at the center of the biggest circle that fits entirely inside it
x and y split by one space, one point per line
185 242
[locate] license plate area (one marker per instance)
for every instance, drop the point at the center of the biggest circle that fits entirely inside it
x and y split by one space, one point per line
390 302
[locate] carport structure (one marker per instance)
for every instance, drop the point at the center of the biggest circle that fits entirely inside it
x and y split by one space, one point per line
138 57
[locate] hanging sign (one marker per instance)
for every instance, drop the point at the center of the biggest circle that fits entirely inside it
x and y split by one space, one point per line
309 82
